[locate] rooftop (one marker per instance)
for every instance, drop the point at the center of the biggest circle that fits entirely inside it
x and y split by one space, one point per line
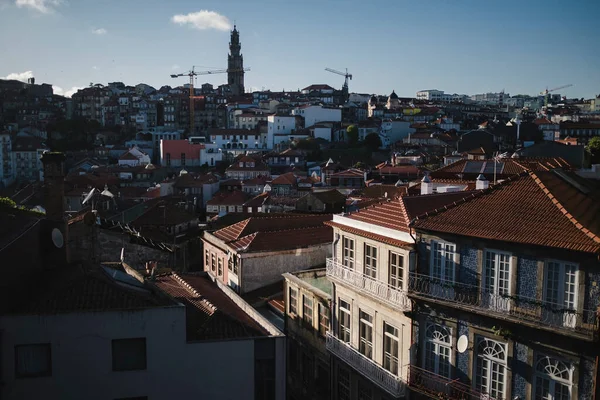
544 208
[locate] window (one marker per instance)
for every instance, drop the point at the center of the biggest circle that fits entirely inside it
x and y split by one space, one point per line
390 348
396 270
438 345
206 260
129 354
323 319
364 390
370 261
33 360
491 368
220 267
293 301
345 321
343 384
322 383
168 159
496 280
307 310
348 252
366 334
560 293
443 261
183 159
553 379
230 264
213 262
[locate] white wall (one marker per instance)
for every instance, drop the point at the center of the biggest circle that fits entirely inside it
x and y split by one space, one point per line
82 358
315 114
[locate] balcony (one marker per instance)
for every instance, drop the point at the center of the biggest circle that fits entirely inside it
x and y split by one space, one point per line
439 387
365 366
381 291
527 311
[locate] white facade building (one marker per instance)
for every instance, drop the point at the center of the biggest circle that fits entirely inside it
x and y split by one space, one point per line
314 114
279 129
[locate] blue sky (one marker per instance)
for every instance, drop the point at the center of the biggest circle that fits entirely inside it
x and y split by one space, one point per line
459 46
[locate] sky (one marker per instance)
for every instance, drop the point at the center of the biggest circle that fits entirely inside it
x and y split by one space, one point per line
459 46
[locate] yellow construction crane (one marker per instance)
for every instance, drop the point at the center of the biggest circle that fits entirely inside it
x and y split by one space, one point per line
545 93
191 74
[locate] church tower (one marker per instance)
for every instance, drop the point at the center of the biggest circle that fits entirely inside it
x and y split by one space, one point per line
235 64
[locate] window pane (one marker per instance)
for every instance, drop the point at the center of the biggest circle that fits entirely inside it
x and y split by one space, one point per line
129 354
33 360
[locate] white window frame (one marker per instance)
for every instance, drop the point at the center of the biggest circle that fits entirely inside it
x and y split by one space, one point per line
565 318
496 296
344 330
293 300
370 260
387 354
348 253
446 255
487 364
396 279
548 370
307 310
365 333
438 345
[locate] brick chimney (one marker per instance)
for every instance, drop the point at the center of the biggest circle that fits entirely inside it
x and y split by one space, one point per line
54 185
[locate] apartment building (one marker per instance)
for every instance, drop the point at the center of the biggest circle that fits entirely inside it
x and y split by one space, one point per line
27 153
371 336
506 292
6 159
307 321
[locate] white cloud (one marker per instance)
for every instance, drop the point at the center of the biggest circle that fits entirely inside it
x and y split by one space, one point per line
43 6
202 20
19 76
99 31
67 93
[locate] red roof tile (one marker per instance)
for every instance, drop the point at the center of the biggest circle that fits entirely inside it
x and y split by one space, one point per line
210 313
177 147
551 209
285 179
281 240
230 198
504 167
370 235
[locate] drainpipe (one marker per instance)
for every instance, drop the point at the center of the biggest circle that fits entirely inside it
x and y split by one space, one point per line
335 242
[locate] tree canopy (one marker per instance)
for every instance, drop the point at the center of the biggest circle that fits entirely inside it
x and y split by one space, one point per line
352 134
372 141
593 147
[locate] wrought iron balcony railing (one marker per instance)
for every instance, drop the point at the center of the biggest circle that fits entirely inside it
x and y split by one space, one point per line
396 297
365 366
538 313
440 387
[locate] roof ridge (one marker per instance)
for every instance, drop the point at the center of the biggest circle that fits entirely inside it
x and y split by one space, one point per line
193 291
563 210
469 197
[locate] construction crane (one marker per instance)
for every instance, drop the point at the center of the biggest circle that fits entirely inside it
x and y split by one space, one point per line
191 74
346 75
545 92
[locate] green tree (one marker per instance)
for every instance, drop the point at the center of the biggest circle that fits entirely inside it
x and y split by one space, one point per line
593 147
372 141
352 134
7 202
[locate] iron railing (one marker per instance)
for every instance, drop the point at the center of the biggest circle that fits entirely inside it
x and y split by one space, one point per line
365 366
501 305
440 387
382 291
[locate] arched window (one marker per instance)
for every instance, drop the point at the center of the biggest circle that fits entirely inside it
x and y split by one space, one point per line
438 349
553 379
491 368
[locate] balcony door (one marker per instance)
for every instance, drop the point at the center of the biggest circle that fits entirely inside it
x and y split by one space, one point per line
496 281
442 270
348 252
560 294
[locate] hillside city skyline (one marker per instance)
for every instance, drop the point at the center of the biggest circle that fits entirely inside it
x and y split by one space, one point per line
467 49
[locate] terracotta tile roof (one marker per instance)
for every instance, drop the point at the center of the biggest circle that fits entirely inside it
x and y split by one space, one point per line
281 240
71 289
194 180
349 173
128 156
505 167
397 214
230 198
270 223
163 213
406 170
551 209
259 180
210 313
477 152
328 196
371 235
177 147
286 179
379 191
543 121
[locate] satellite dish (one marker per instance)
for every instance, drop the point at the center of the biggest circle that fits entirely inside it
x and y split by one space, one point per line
462 344
57 238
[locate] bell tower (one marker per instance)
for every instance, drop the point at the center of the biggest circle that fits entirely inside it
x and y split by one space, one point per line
235 64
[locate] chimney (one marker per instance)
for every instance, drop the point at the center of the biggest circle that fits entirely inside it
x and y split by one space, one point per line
481 183
54 185
426 185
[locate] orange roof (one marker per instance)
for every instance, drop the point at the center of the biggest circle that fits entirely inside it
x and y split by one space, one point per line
285 179
503 168
287 239
178 147
229 198
546 208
